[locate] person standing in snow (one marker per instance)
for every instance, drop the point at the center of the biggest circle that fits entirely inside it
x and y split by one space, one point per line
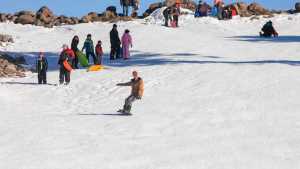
115 43
126 43
125 5
41 68
74 47
137 91
66 55
167 15
89 48
99 52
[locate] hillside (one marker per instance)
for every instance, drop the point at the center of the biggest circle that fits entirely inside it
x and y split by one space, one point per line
216 96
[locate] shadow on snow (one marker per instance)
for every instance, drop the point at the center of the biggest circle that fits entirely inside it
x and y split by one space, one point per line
279 39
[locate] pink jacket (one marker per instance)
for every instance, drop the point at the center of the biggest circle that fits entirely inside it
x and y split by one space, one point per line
126 39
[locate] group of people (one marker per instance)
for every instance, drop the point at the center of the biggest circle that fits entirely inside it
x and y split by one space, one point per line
130 3
171 15
119 47
218 10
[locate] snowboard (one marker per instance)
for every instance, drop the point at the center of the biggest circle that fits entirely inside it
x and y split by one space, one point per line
82 59
67 66
122 113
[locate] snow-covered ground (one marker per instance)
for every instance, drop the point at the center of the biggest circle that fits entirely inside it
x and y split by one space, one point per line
216 97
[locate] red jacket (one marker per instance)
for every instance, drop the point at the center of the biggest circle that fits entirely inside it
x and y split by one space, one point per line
69 52
99 50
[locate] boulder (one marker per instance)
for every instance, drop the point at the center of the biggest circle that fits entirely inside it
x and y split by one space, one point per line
257 9
10 69
25 19
112 9
3 17
25 13
297 7
6 38
45 15
243 9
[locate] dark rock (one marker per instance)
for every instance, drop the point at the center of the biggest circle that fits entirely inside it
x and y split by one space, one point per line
25 19
6 38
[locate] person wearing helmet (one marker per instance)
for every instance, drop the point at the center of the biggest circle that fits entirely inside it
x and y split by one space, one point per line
137 91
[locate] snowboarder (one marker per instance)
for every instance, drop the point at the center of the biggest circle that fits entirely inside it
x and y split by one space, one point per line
99 52
137 91
89 48
126 43
66 55
41 68
74 47
115 43
268 30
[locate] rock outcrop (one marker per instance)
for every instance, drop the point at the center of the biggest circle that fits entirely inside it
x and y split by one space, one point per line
10 67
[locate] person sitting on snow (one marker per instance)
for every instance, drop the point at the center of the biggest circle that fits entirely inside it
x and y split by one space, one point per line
137 91
268 30
41 68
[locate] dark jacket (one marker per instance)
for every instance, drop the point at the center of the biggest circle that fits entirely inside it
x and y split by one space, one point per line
42 65
74 45
268 30
88 46
114 38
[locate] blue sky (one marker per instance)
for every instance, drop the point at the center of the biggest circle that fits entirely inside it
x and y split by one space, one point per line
82 7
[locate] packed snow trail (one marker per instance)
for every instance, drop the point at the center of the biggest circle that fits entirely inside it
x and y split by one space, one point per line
215 97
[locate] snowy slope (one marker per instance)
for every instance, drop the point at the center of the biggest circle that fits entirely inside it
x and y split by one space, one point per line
216 97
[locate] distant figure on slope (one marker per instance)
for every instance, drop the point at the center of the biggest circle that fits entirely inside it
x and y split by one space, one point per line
66 55
202 9
125 5
167 15
126 43
41 68
115 43
137 91
175 15
74 47
89 48
268 30
99 52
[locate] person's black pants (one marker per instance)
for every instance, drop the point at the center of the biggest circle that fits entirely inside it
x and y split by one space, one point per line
88 54
42 77
115 51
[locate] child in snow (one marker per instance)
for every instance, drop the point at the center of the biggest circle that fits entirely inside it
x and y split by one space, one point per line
66 55
41 68
99 52
137 91
89 48
126 43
